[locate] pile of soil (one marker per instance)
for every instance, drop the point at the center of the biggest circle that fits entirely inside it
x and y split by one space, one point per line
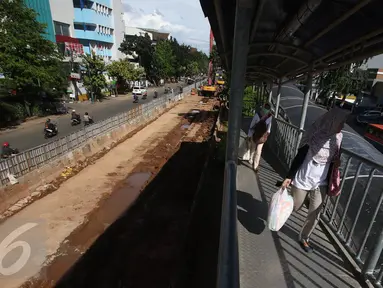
141 248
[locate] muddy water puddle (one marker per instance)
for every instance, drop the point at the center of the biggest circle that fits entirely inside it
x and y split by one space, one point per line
82 238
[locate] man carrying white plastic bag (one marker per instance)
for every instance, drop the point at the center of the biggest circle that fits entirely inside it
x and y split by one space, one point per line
280 209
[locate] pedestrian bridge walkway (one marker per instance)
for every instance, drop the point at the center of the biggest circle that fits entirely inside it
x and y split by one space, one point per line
275 259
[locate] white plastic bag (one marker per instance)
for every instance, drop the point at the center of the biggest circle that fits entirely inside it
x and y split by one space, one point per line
12 179
245 150
280 209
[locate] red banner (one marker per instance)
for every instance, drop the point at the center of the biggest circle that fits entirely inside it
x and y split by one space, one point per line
75 47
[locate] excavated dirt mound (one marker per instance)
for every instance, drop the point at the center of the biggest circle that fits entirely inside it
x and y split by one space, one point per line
140 249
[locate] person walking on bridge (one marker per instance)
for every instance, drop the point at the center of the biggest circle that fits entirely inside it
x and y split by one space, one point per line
311 170
259 130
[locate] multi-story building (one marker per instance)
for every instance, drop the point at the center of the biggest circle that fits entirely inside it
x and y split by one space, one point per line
43 10
85 26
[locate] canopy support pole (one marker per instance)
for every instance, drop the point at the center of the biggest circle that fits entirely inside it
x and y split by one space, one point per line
228 262
307 93
278 97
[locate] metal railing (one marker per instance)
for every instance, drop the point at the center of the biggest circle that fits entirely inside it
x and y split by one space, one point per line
228 258
260 97
356 216
283 141
35 158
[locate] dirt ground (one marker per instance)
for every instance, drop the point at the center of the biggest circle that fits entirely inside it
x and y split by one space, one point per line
68 217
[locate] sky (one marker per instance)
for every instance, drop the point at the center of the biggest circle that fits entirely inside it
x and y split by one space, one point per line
184 19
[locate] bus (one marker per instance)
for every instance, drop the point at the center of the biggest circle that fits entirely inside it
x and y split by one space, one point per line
374 135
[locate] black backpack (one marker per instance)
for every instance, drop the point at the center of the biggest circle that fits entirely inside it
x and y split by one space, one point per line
260 131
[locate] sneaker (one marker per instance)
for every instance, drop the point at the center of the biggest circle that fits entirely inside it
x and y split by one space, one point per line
306 246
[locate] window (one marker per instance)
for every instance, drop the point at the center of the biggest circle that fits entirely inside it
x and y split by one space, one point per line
87 4
61 28
79 26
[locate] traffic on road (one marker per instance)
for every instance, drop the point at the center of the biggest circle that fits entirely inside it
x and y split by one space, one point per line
34 134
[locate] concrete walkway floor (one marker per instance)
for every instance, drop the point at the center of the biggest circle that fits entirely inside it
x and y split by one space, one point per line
275 259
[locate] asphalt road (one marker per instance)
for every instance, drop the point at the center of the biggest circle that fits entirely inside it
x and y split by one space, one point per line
291 102
32 135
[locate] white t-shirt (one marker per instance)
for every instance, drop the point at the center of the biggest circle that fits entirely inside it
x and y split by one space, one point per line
311 175
255 120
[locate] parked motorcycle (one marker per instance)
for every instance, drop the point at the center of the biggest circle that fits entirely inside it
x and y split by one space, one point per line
75 121
50 132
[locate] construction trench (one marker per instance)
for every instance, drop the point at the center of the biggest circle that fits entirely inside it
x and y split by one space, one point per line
159 222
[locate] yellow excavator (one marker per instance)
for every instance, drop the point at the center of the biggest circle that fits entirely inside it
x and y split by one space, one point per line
208 90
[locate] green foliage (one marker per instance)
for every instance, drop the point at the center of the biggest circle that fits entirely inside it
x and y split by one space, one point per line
123 70
192 69
215 60
345 80
201 59
251 100
166 59
94 80
141 48
27 59
7 113
37 111
19 111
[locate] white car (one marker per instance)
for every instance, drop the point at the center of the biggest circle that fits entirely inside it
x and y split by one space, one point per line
137 90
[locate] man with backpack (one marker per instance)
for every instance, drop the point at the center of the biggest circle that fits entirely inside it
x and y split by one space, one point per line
259 130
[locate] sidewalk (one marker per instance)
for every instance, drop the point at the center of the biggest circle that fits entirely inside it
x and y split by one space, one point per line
66 209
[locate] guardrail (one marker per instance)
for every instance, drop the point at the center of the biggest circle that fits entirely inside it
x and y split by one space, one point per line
356 216
34 158
283 141
228 258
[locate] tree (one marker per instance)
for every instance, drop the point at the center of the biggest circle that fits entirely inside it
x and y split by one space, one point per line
182 57
216 61
142 50
344 80
28 61
192 69
94 80
164 60
202 60
122 71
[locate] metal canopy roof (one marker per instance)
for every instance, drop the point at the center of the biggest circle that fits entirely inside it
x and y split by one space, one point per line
287 36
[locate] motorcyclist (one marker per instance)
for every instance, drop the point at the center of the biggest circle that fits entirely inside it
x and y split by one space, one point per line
7 151
49 125
155 94
87 119
75 115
